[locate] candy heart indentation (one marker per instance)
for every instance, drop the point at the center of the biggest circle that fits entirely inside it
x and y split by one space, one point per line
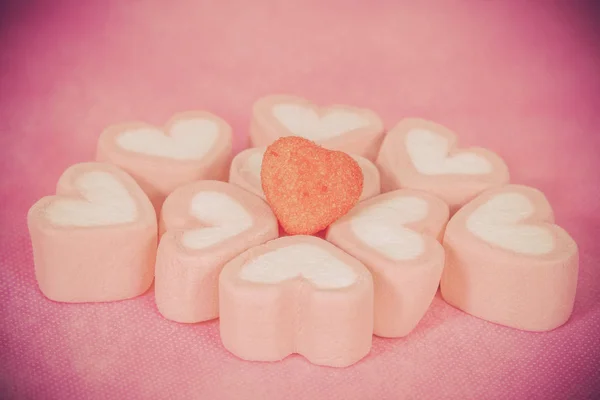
224 217
352 130
381 226
499 221
423 155
254 163
187 139
307 123
307 186
301 260
105 202
429 153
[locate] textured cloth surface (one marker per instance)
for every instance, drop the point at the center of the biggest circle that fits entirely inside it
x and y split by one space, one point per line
518 77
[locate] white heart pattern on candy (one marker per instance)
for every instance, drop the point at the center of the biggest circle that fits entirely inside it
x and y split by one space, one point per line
306 122
349 129
382 226
188 139
301 260
105 202
193 145
499 222
429 153
224 216
422 155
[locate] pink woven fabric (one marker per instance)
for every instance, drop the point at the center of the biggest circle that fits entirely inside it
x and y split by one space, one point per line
518 77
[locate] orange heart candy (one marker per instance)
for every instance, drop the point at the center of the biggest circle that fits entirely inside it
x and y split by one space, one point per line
307 186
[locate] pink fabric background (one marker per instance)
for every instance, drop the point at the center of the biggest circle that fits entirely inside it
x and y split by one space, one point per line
521 78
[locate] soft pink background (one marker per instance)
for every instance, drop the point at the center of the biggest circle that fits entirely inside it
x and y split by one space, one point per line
521 78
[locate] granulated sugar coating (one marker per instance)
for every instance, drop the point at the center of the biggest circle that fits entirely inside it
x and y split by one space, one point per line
309 187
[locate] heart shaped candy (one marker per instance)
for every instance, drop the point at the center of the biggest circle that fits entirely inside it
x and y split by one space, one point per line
296 294
508 263
192 146
95 240
206 224
422 155
307 186
394 236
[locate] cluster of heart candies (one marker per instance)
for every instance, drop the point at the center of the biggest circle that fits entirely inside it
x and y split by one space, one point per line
327 231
